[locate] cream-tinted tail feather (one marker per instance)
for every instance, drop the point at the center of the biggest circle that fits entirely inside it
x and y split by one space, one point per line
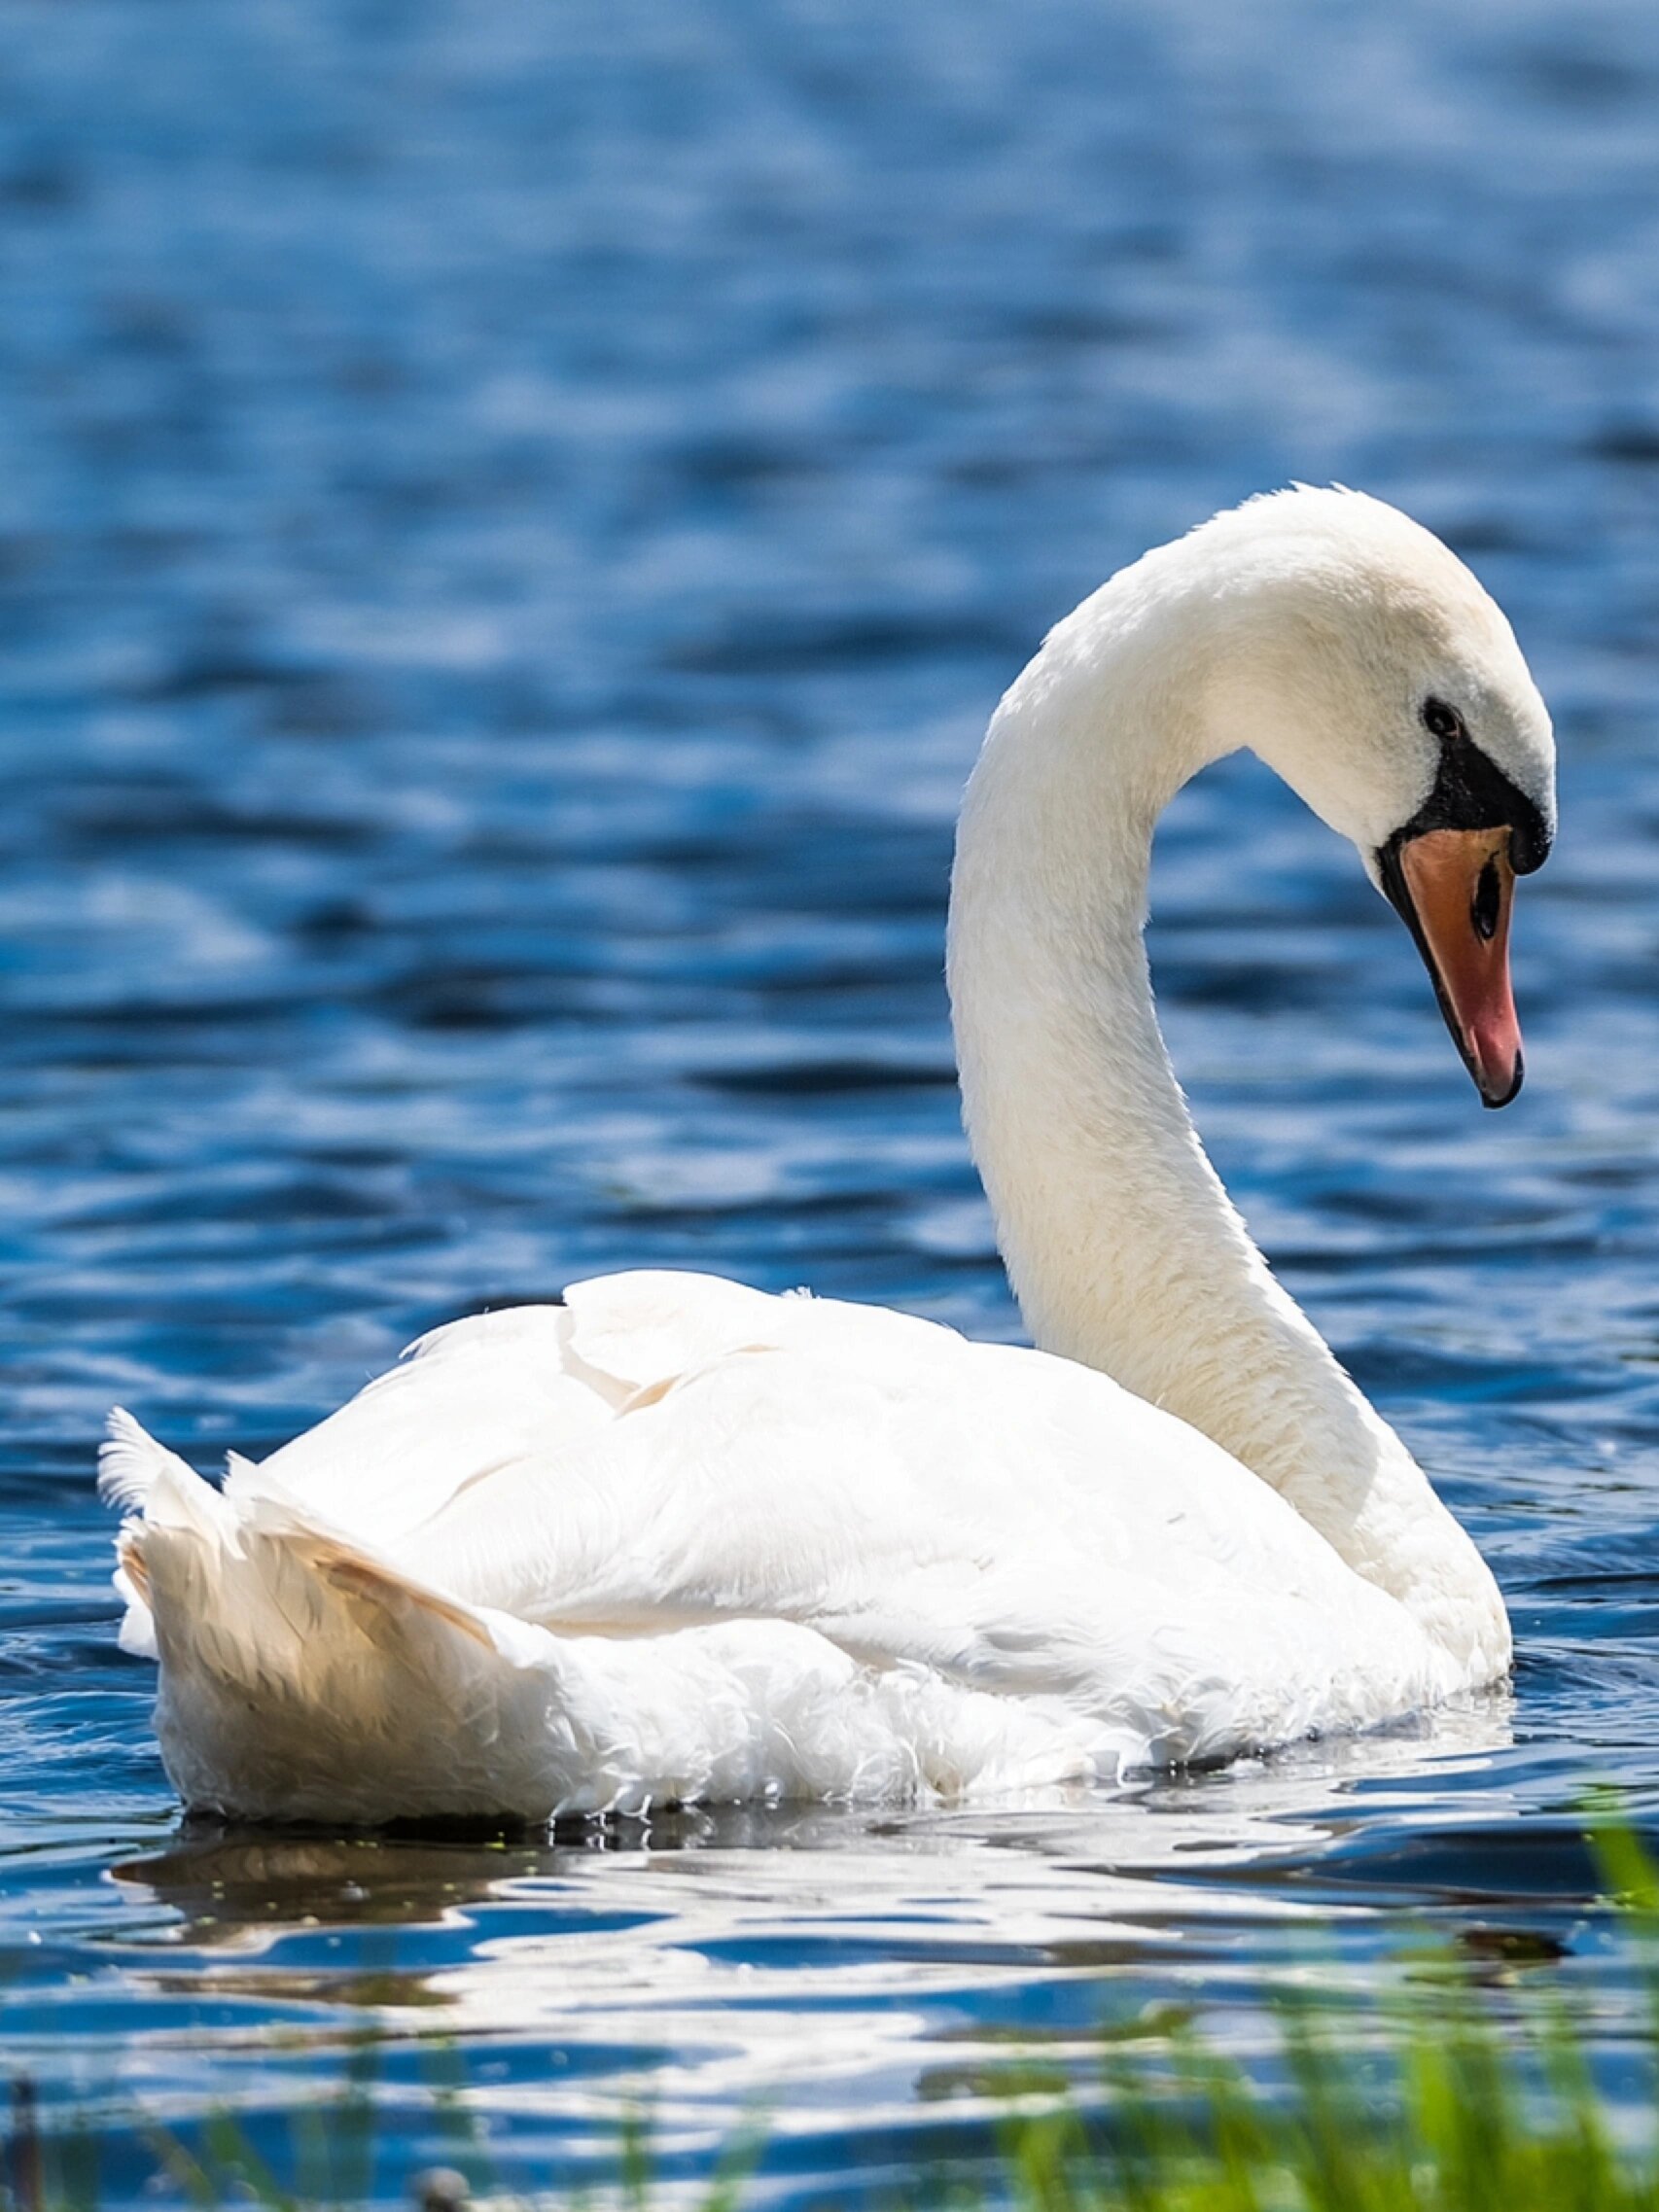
132 1470
302 1679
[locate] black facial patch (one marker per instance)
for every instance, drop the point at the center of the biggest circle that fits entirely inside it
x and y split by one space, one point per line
1472 793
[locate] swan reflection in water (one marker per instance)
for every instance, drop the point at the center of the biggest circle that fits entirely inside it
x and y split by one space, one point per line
1010 1882
846 1963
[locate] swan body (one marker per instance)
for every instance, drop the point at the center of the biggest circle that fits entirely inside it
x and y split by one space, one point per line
679 1539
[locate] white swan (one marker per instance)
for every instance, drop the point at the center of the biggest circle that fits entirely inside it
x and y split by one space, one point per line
677 1539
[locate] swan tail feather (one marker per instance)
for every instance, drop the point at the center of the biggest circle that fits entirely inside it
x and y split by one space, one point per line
303 1678
129 1462
139 1477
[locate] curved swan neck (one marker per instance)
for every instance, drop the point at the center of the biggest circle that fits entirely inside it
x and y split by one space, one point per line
1122 1246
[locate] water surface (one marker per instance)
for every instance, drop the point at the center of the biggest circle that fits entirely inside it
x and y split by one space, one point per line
511 524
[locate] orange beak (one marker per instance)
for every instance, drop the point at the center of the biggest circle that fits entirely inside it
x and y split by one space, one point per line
1453 888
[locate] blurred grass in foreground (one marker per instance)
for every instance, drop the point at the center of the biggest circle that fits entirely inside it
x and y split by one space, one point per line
1457 2103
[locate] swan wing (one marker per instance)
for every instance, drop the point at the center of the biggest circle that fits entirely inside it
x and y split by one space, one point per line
672 1450
682 1538
494 1391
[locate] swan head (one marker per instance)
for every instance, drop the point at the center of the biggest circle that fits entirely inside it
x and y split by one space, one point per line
1366 665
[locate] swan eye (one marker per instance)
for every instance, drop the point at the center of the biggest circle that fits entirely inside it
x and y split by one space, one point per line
1442 721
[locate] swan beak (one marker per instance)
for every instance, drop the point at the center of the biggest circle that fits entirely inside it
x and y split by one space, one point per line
1453 888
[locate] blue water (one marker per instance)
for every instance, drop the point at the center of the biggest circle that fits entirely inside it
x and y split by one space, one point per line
511 521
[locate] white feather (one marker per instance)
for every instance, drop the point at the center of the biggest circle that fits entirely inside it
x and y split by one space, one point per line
129 1459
